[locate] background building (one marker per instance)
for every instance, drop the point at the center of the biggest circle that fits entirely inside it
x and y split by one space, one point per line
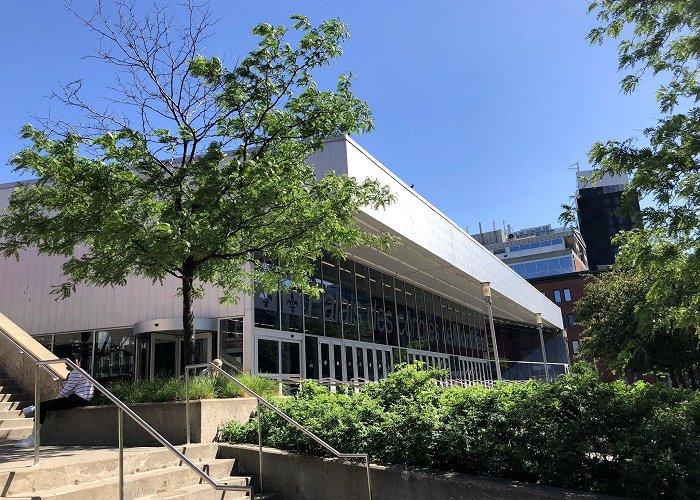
538 251
601 216
565 290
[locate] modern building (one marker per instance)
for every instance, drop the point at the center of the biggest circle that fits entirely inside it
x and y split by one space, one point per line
601 215
422 301
538 251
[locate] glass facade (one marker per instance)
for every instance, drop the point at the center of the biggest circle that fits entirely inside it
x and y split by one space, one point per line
544 267
105 354
537 244
364 323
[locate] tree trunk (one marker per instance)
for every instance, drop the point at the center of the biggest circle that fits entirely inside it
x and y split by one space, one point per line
188 312
674 380
693 382
681 379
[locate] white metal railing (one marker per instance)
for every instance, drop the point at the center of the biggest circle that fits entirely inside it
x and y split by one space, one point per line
260 400
122 408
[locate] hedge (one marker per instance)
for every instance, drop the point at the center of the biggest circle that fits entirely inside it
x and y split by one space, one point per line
636 440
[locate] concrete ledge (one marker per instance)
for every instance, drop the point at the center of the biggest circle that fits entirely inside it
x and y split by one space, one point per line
302 477
97 425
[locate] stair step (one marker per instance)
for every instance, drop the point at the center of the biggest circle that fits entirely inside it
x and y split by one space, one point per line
10 414
17 396
206 492
14 405
16 423
137 485
90 464
20 433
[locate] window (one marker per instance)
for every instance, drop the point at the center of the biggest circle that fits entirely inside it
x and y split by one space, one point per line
574 346
557 296
543 293
567 294
570 319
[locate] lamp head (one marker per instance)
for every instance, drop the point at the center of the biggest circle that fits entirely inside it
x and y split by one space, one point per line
486 289
538 319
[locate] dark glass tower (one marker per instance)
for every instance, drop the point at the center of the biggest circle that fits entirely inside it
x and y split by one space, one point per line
601 216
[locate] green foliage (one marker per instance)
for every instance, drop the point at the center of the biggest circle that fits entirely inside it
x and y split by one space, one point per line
638 317
173 389
640 440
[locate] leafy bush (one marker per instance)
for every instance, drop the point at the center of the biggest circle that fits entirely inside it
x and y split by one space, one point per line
580 433
173 389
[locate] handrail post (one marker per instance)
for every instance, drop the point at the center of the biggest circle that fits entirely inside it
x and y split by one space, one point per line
369 481
120 420
187 403
37 404
260 452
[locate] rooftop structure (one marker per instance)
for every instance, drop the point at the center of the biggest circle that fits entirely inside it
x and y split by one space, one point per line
538 251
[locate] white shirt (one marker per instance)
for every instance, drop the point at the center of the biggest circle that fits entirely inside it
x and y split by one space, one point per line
78 385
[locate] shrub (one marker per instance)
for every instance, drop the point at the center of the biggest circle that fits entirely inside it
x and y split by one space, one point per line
577 432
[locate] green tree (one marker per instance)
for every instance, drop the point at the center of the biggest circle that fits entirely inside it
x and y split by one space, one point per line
638 320
211 173
660 38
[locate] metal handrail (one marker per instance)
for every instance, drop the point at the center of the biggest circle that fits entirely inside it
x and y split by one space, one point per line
23 350
276 410
123 408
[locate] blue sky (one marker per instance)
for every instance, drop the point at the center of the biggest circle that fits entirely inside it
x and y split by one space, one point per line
481 105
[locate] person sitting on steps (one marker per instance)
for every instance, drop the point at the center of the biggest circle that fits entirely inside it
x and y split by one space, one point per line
76 391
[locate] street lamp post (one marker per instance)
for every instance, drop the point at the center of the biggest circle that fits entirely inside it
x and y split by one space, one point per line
538 318
486 288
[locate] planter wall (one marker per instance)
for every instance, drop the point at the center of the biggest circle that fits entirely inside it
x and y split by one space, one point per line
97 425
299 477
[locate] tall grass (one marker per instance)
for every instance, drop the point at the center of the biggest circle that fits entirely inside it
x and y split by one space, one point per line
173 389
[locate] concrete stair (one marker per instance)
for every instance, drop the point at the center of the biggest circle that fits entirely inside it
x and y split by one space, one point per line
13 424
153 473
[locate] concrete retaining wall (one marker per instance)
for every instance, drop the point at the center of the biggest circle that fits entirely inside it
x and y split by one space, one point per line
301 477
97 425
20 367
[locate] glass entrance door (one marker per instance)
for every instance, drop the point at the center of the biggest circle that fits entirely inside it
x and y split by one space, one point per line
164 362
332 359
169 353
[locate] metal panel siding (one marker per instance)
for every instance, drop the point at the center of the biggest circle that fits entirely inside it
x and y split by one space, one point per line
25 297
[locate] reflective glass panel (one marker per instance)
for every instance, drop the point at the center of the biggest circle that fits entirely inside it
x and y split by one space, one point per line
114 354
291 311
364 307
378 313
268 356
348 302
311 351
402 321
290 358
75 346
232 340
313 307
331 298
392 334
